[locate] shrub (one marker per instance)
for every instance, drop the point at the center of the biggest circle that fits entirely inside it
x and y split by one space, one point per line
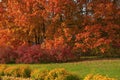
0 77
7 54
113 51
21 51
30 54
12 71
14 78
71 77
2 68
39 75
61 54
34 54
60 74
65 55
97 77
24 71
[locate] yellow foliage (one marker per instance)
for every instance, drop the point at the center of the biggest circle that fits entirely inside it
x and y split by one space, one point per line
24 71
97 77
2 68
60 74
38 74
12 71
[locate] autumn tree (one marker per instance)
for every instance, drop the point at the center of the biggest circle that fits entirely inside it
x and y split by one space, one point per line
84 25
27 20
102 29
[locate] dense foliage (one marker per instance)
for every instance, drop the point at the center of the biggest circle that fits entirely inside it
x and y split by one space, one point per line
27 73
97 77
60 27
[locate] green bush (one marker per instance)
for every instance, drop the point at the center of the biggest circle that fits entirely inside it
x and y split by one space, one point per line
97 77
24 71
12 71
60 74
2 68
39 75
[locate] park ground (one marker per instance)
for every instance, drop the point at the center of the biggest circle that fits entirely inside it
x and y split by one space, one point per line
107 67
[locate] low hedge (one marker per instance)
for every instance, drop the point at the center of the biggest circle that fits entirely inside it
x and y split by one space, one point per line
2 68
39 75
60 74
13 72
24 71
97 77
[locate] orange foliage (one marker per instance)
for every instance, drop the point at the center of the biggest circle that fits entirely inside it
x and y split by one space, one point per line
80 24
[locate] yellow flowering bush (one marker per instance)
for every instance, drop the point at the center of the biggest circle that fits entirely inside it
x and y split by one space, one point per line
0 77
12 71
2 68
97 77
14 78
39 75
24 71
60 74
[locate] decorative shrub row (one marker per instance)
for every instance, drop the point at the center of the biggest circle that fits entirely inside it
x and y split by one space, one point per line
2 68
38 74
97 77
17 73
13 78
35 54
26 72
60 74
22 71
55 74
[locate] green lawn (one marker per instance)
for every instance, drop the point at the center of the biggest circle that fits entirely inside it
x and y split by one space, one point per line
110 68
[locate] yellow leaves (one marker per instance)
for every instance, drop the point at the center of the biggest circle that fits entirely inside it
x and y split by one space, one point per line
97 77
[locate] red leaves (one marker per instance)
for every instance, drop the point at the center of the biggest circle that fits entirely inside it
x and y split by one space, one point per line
57 24
34 54
7 54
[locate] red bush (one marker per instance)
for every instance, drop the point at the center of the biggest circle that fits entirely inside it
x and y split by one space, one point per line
7 54
61 54
66 55
28 54
34 54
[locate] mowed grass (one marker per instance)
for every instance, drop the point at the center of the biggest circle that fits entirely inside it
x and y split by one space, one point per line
109 68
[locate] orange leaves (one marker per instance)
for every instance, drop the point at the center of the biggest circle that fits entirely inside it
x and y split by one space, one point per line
28 21
77 23
56 43
91 37
1 10
83 35
5 37
59 6
102 50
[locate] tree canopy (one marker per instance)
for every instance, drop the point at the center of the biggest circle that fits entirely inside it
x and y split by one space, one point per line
84 25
